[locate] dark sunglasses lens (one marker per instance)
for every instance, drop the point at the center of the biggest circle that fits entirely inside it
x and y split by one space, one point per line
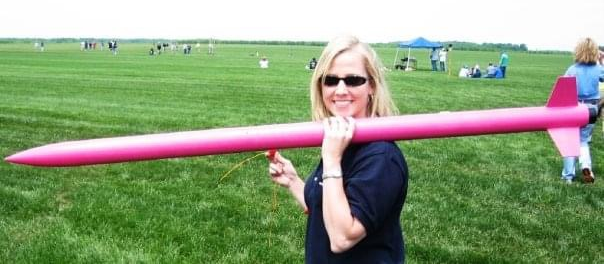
354 81
331 80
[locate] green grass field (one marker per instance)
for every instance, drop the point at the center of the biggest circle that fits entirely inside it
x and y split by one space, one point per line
483 199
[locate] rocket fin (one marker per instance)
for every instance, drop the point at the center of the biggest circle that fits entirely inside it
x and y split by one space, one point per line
564 93
566 140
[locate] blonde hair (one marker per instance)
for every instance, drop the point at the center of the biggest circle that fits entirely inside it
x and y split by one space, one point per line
587 51
380 104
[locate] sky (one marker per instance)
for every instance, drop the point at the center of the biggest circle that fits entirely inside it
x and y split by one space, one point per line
540 24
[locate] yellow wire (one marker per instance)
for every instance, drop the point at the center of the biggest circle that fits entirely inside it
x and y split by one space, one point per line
273 213
274 203
238 165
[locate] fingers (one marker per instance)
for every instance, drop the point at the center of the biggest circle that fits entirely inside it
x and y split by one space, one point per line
277 163
270 154
339 126
274 156
326 127
350 128
272 170
275 169
279 158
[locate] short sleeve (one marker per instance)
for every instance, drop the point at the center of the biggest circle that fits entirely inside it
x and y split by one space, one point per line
376 185
570 71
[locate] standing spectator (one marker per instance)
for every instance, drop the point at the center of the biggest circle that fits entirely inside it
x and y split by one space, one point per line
354 197
114 47
211 47
587 73
42 46
442 58
186 48
504 61
434 58
601 104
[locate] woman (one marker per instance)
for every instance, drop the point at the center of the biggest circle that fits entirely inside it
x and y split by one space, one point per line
355 196
587 73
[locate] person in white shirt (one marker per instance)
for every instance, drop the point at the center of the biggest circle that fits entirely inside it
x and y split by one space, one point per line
464 72
263 63
491 71
442 58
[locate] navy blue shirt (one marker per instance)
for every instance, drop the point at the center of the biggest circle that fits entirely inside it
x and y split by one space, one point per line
375 183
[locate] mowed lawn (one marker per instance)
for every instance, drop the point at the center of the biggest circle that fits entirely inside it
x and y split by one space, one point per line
482 199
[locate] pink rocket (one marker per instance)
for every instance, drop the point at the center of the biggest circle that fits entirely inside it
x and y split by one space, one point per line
561 117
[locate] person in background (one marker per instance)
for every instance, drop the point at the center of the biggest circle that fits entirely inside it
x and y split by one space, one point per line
434 58
312 64
114 47
464 72
263 63
355 195
601 104
504 61
587 72
498 72
476 71
210 47
491 71
442 58
159 48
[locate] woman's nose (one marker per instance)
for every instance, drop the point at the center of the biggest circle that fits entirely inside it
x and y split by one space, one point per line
341 88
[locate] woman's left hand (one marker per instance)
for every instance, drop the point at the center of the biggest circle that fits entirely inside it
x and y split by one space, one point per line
338 133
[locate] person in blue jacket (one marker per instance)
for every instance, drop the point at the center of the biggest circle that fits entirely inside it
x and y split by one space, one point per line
498 72
588 73
355 196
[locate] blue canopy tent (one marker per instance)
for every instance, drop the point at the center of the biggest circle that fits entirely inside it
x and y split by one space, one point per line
415 43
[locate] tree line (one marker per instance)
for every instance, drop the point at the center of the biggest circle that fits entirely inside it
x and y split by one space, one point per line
457 45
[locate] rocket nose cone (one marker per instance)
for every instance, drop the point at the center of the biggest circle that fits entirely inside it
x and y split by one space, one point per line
17 158
11 159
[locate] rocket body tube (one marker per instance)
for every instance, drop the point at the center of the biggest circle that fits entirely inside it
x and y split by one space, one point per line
561 117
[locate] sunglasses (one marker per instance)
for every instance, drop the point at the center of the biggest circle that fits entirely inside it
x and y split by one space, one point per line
351 80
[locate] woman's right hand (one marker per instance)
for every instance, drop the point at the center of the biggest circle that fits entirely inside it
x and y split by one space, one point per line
282 171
